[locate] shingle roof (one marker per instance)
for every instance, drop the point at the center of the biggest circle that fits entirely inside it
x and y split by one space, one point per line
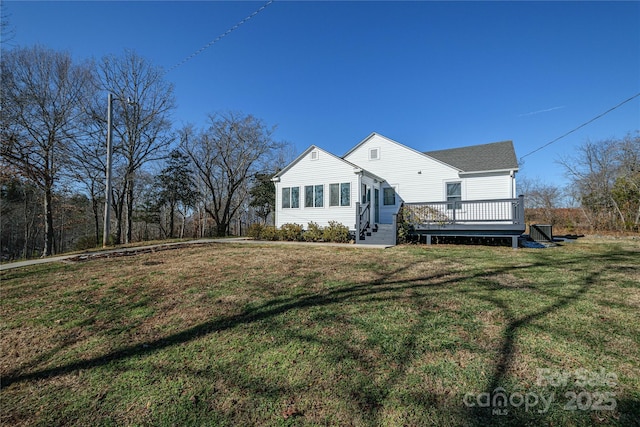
476 158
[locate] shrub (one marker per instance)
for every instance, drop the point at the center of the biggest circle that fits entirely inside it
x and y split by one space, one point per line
314 232
291 232
255 231
405 225
336 232
270 233
89 242
85 242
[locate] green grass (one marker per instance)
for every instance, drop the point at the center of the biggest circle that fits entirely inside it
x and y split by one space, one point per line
296 335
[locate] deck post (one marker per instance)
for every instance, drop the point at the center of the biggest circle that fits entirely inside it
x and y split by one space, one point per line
514 242
428 239
518 211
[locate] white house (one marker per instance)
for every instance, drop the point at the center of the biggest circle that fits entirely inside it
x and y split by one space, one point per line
366 186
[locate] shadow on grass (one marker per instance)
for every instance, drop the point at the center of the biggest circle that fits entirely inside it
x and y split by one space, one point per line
370 399
491 415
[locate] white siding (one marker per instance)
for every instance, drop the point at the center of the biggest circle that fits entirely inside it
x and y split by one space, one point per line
326 169
489 186
418 177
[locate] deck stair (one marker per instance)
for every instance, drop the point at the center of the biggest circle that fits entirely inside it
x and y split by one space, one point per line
379 234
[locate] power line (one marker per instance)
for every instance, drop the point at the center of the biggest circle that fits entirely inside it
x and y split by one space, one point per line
582 125
220 37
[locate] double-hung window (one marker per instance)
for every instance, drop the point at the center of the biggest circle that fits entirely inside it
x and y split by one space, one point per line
313 196
454 195
290 197
388 196
340 194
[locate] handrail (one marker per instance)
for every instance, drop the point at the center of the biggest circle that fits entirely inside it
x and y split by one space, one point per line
364 218
467 211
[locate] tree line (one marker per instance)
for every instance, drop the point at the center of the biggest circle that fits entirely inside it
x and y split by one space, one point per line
603 189
166 181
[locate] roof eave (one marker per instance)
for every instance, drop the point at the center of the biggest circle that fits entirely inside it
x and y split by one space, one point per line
489 171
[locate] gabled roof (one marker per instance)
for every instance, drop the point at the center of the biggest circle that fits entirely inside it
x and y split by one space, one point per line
496 156
314 147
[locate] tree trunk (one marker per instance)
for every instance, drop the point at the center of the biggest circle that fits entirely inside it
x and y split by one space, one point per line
172 210
96 218
27 225
221 229
129 213
118 208
48 224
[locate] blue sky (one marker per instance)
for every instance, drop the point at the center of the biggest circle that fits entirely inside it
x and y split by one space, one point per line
430 75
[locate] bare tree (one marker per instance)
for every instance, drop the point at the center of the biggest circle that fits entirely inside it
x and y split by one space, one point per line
225 156
543 197
143 103
87 159
626 189
42 96
7 33
606 178
19 225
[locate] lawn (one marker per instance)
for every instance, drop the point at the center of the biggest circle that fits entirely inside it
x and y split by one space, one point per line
230 334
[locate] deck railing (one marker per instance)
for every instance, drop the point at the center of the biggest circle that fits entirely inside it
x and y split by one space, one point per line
507 211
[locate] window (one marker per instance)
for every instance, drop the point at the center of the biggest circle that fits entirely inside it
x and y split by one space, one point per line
388 196
454 194
345 194
334 194
340 194
290 197
314 155
374 153
313 196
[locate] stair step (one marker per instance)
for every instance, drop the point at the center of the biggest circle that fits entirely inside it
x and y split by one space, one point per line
381 234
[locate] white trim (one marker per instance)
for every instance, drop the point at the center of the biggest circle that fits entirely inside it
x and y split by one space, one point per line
480 172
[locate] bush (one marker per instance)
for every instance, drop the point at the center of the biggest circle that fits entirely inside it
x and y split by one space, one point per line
255 231
89 242
405 225
336 232
314 233
86 242
291 232
270 233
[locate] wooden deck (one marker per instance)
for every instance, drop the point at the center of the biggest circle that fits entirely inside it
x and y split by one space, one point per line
480 218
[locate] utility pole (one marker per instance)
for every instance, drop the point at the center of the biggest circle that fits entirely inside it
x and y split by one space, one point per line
107 196
107 188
